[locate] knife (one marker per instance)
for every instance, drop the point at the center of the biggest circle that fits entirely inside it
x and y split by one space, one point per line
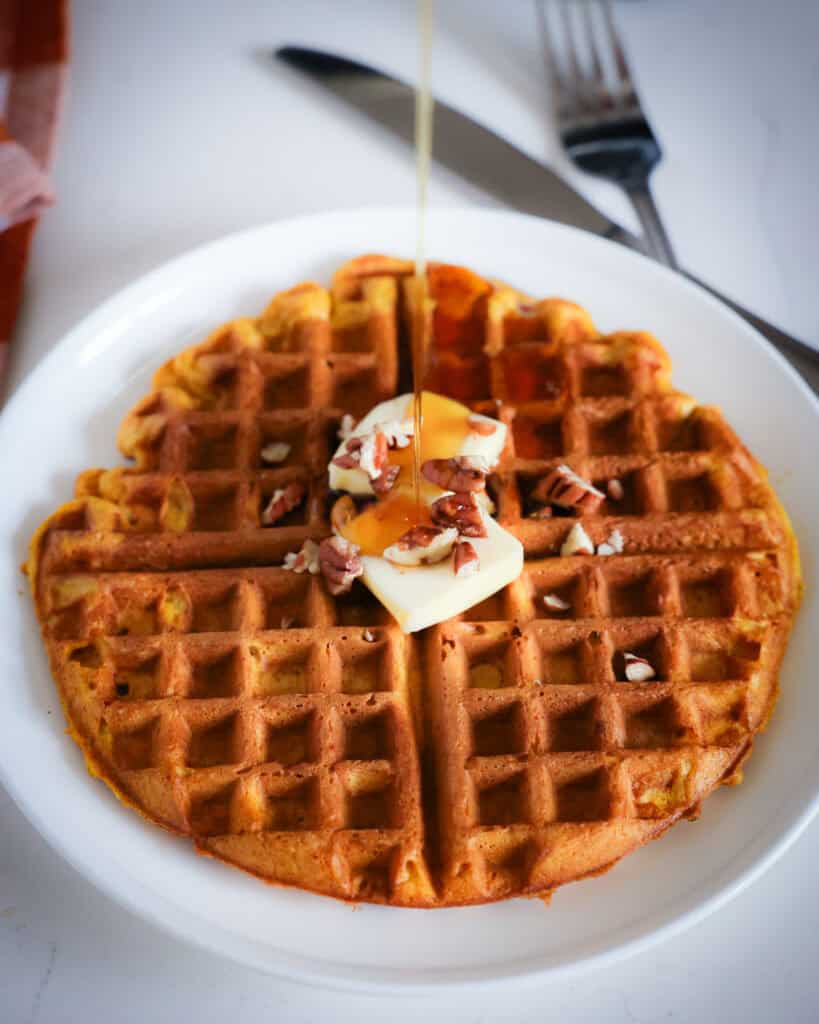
485 159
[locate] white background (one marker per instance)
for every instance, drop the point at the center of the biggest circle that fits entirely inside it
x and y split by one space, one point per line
179 130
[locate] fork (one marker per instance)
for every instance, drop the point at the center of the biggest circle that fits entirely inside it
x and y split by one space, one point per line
599 116
605 132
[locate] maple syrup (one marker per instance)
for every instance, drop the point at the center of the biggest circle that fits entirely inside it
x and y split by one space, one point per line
439 424
443 431
422 318
384 521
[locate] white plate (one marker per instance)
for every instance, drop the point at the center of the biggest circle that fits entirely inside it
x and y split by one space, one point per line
63 418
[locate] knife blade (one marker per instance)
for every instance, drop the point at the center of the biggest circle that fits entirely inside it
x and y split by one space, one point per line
487 160
470 150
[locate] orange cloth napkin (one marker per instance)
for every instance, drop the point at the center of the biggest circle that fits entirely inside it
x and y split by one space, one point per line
33 70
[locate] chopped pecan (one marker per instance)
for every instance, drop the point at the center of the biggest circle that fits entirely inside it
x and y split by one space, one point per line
615 489
460 510
566 488
555 603
283 501
350 458
346 427
385 480
422 545
463 473
275 452
305 560
613 545
638 670
342 512
340 564
482 426
374 453
617 541
578 542
465 561
369 453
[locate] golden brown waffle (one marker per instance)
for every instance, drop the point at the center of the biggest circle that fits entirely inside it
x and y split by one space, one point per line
303 737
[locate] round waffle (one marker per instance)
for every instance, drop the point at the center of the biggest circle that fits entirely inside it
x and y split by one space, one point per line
303 737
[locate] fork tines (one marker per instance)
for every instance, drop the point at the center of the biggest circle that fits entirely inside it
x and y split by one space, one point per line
586 62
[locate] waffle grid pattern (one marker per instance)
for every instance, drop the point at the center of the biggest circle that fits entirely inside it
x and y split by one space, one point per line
198 438
555 741
262 729
555 737
303 737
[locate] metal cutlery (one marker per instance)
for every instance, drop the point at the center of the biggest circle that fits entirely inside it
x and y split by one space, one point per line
484 158
604 129
599 115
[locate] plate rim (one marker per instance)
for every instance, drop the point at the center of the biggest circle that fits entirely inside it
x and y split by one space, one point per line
338 975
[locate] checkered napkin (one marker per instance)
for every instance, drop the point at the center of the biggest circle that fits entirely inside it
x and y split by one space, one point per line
33 66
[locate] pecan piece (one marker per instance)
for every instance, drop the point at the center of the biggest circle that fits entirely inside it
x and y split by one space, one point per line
383 483
351 456
578 542
638 670
275 452
369 453
462 473
613 545
283 501
465 561
305 560
422 545
460 510
568 489
374 451
340 564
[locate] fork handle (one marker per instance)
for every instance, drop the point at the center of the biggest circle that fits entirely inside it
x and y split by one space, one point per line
657 240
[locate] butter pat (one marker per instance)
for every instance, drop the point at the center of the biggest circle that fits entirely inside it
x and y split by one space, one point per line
421 595
424 595
445 433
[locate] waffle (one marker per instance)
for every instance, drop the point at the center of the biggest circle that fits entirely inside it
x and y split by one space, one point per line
303 737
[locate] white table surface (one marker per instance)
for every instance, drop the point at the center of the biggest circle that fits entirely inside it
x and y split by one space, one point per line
179 131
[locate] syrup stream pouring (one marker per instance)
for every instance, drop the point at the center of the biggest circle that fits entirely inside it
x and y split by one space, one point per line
423 151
